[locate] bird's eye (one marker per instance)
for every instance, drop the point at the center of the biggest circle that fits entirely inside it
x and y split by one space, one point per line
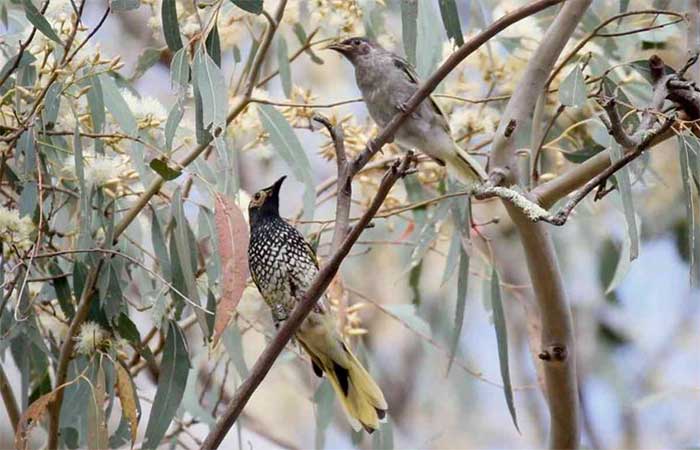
257 196
355 42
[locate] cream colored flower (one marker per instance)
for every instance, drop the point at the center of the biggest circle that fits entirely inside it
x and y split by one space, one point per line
146 109
91 338
15 231
104 170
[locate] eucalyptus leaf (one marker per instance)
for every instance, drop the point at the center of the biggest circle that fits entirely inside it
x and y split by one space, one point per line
499 322
323 398
166 172
625 186
212 89
213 45
36 18
409 28
408 314
572 91
180 69
124 5
252 6
172 381
285 141
117 106
450 19
171 26
284 68
429 39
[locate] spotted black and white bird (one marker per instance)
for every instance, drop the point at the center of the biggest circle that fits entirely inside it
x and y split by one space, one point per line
283 266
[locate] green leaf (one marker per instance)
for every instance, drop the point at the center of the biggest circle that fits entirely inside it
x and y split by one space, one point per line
323 398
429 232
233 342
28 199
409 28
583 154
450 18
96 423
383 439
166 172
690 170
171 26
52 104
213 45
113 296
462 286
499 322
252 6
288 146
147 59
191 404
452 258
212 89
180 69
572 91
95 98
625 186
36 18
116 105
172 123
172 381
642 67
160 248
284 68
429 40
63 293
124 5
407 314
302 37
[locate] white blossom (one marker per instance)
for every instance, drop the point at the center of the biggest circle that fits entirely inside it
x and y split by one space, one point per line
92 337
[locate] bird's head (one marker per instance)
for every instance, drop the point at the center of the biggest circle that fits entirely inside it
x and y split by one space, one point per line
265 202
355 48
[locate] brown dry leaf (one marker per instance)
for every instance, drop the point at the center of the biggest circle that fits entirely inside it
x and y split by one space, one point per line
31 417
232 233
127 397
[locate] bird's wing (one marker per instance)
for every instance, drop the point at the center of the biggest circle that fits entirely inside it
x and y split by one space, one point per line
412 76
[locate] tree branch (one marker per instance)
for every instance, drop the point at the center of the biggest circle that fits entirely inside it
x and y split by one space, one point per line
557 338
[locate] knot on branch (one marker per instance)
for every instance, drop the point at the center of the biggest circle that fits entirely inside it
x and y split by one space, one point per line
555 352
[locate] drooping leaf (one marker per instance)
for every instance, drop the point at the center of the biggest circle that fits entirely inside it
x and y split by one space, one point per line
499 322
171 26
409 28
252 6
97 438
429 39
462 286
147 59
213 45
128 399
407 314
191 403
172 380
36 18
625 186
689 156
572 91
180 69
172 123
117 106
450 19
233 342
63 293
284 68
212 89
160 249
302 37
232 236
285 141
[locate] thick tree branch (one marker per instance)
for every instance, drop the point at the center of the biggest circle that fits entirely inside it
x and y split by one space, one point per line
344 197
323 279
557 339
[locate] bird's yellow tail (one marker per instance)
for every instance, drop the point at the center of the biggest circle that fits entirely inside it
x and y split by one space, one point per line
465 168
362 400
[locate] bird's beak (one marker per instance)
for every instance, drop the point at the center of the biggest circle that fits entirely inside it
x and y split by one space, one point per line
278 184
339 47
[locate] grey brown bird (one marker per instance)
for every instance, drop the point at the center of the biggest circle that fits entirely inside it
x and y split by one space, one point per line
386 82
283 266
